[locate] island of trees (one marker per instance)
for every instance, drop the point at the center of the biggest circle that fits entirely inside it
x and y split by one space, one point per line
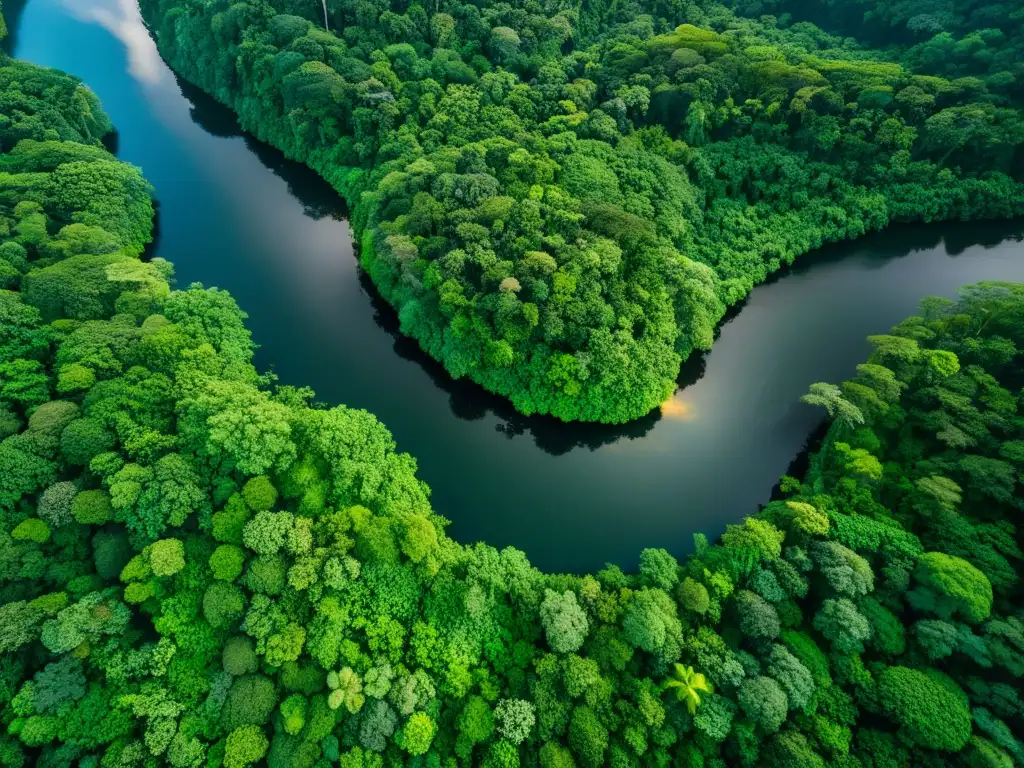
562 199
200 568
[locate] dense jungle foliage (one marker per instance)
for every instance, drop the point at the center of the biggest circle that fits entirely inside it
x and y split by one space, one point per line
561 199
951 38
201 568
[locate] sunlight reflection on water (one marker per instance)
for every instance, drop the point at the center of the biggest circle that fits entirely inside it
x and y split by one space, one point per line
235 215
678 409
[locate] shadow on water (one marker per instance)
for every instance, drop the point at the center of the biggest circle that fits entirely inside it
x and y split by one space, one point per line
153 247
470 402
112 141
12 10
467 400
802 461
235 214
208 113
878 250
318 199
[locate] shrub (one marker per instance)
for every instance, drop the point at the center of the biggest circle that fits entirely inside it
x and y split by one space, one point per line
223 603
502 754
794 678
92 507
377 723
110 552
693 596
250 701
515 719
56 502
166 557
588 737
267 574
74 378
554 755
259 494
929 707
418 733
239 657
84 438
565 623
757 617
266 533
293 713
245 746
887 633
227 562
51 418
229 523
476 721
764 702
950 586
659 569
31 529
844 625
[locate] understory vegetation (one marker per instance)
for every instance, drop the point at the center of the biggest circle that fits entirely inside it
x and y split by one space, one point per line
201 568
562 199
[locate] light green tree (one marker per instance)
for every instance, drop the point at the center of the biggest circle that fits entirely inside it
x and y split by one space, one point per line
688 685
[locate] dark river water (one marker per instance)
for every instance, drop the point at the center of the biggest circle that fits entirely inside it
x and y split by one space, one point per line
235 214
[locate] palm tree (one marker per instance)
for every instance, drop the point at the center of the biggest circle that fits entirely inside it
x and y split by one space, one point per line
830 397
688 686
846 417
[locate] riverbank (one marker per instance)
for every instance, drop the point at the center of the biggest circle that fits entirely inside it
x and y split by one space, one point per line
201 568
595 332
235 214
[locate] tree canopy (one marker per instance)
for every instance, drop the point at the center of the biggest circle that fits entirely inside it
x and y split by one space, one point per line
561 201
199 567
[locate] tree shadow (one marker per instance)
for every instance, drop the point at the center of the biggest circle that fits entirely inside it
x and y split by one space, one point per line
877 249
468 401
319 200
471 402
12 10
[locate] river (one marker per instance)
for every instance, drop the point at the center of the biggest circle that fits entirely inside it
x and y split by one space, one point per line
235 214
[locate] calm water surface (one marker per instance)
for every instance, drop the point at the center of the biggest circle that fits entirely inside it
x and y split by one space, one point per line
235 214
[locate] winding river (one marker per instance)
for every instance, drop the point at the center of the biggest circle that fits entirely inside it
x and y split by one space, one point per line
235 214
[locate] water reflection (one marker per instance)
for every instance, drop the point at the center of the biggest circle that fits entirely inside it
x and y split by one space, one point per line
466 400
678 409
317 197
124 21
235 214
470 402
12 10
